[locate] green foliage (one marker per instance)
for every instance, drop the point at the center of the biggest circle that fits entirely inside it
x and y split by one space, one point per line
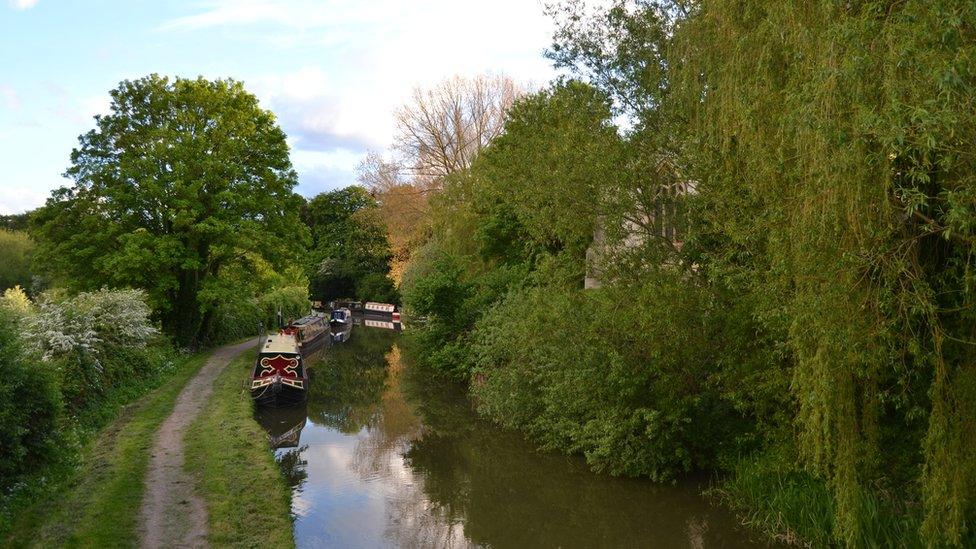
91 495
15 301
241 318
522 214
537 186
631 376
69 363
15 222
854 198
175 185
15 256
94 342
377 287
30 405
350 255
796 507
835 207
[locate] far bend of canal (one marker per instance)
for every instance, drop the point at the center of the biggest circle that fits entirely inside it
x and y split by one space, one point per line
383 456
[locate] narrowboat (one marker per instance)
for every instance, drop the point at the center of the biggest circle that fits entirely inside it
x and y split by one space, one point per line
379 308
279 377
341 315
309 331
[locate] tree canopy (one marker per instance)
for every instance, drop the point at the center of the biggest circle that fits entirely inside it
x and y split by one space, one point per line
835 202
178 182
15 257
350 255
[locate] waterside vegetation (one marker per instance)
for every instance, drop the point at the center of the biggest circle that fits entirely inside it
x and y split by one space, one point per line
782 232
734 237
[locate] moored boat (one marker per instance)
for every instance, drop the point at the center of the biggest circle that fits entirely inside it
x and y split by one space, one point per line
309 331
379 308
279 377
341 315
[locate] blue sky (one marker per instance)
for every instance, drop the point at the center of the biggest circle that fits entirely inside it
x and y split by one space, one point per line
333 71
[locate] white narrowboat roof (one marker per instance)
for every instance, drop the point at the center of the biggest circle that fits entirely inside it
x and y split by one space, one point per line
280 343
310 319
381 307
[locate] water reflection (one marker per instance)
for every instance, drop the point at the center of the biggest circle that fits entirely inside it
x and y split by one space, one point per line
389 457
284 426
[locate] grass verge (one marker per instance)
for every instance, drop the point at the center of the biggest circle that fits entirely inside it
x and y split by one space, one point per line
773 496
248 500
96 504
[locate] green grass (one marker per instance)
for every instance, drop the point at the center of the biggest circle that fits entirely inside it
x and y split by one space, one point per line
248 501
773 496
97 504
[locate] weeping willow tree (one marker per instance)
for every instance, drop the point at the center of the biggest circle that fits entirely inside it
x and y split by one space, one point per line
833 146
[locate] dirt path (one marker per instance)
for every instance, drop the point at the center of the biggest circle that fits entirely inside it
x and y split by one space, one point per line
172 513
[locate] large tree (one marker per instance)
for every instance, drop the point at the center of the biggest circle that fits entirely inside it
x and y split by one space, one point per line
350 255
402 207
181 180
442 129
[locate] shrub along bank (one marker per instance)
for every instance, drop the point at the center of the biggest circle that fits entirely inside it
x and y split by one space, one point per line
785 236
91 497
237 319
70 364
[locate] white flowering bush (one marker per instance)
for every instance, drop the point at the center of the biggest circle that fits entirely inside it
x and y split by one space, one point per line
93 341
89 323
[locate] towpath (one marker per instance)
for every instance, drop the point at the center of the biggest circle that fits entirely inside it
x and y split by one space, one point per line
172 513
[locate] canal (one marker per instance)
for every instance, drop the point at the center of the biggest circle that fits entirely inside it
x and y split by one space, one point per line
384 456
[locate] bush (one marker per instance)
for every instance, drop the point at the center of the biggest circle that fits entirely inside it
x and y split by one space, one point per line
30 405
238 319
93 342
90 323
628 376
440 289
15 301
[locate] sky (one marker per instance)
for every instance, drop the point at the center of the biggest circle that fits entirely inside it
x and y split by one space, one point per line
332 71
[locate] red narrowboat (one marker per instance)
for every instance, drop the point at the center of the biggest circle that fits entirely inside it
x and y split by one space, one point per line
280 377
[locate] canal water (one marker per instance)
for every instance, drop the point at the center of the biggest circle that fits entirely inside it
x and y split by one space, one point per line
383 456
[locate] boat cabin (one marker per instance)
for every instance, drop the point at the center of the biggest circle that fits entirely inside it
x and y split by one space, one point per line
279 375
341 316
308 329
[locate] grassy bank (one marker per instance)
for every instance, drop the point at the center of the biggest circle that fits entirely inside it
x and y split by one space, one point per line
95 505
248 502
772 495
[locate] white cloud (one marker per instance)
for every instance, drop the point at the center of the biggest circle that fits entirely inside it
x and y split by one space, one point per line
100 104
22 198
10 97
295 14
374 53
310 111
22 4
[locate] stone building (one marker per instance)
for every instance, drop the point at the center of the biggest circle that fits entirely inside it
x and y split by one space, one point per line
656 215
